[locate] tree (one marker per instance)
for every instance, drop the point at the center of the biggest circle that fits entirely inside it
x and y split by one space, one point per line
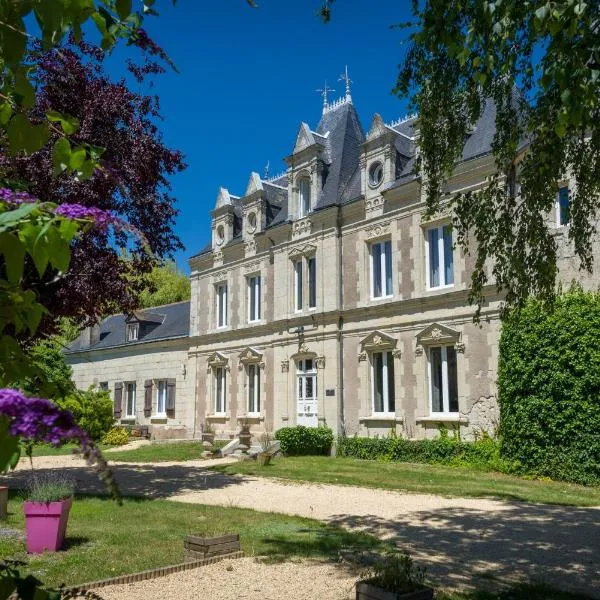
165 285
132 183
539 62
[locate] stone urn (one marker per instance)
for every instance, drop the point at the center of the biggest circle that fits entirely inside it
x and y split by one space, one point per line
245 436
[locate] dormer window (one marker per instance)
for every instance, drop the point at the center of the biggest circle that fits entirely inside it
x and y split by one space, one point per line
132 332
375 174
303 197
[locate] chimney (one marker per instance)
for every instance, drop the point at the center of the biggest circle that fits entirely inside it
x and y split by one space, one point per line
90 336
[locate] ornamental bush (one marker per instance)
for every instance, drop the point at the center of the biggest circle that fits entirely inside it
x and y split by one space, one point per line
445 450
549 388
116 436
92 411
305 441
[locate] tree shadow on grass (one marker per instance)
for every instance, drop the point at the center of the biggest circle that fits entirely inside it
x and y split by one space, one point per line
517 542
149 481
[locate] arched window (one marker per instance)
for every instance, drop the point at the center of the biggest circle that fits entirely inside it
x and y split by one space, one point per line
303 197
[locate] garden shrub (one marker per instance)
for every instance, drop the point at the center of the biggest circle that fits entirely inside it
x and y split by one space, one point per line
483 453
549 388
305 441
92 410
117 436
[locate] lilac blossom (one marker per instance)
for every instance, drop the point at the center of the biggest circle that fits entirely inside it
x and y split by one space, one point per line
39 420
15 197
102 218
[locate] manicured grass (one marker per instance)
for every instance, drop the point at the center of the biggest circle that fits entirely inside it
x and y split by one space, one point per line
46 450
420 478
174 451
519 592
106 540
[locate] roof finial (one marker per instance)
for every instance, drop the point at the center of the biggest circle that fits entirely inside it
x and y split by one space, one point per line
267 170
324 91
344 77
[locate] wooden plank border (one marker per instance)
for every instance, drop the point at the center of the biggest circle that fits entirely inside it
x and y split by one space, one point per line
153 573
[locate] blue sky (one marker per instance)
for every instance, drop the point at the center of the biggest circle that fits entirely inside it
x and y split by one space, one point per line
248 78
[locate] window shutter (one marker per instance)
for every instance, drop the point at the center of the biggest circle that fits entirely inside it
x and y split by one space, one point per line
118 400
148 397
170 394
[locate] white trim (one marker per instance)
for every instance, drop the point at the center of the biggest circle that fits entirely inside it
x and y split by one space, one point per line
257 390
220 373
156 406
382 268
254 291
441 259
127 413
385 382
298 285
445 391
222 305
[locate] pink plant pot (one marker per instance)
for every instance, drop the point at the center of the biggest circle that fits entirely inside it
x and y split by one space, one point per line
46 525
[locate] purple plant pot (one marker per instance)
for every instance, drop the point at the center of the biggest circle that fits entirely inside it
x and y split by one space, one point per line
46 525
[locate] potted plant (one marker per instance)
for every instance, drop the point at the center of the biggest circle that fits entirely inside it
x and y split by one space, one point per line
208 433
264 456
244 435
47 504
394 577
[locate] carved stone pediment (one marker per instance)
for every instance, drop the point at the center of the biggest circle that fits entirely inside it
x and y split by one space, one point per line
437 334
378 230
216 360
303 352
378 342
250 356
299 251
301 228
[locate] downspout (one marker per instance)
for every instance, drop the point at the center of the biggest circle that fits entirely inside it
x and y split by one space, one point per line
342 426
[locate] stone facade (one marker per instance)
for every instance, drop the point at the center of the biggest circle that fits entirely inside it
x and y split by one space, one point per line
326 298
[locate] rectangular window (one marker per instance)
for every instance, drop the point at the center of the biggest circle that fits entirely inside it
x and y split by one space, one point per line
103 385
132 331
381 269
563 206
440 270
443 380
299 305
131 399
312 282
254 298
161 398
220 383
384 399
222 305
253 389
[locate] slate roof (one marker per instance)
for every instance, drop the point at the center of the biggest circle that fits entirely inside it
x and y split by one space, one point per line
342 134
175 323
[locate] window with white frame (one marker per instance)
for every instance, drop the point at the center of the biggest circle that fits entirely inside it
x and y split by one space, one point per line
132 331
440 258
130 397
303 197
381 269
253 389
312 282
563 207
298 285
161 397
384 399
221 305
254 286
220 396
443 386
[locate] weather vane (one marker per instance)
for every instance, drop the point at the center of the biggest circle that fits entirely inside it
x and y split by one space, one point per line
324 91
346 78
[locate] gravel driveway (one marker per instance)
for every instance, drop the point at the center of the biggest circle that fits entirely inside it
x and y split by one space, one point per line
459 539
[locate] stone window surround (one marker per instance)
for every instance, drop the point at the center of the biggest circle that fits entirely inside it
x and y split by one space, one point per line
252 356
439 223
302 255
215 361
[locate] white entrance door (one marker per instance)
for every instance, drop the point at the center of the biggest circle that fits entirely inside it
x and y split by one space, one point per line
307 393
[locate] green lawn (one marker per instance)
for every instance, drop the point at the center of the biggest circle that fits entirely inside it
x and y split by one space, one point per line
46 450
519 592
106 540
174 451
420 478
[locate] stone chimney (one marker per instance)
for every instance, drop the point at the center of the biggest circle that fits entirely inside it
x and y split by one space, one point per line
90 336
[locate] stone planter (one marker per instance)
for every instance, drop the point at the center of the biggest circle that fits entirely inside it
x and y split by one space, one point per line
245 438
367 591
3 502
196 547
264 459
46 525
208 437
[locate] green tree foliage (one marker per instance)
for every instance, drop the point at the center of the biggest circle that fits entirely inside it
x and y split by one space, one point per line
305 441
166 284
92 410
549 387
540 63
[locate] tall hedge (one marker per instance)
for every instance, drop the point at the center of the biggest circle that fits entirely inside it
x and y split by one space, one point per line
549 388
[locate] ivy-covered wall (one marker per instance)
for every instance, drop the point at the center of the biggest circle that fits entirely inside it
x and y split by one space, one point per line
549 388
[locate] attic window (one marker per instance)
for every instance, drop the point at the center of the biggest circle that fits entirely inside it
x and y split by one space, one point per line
132 332
252 222
303 197
375 174
220 234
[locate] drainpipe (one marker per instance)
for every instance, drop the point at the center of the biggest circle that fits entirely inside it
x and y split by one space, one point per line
342 426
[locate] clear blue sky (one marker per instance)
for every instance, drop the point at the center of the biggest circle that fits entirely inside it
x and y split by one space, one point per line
248 78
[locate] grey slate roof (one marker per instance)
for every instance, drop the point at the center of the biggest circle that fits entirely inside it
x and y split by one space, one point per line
342 134
175 324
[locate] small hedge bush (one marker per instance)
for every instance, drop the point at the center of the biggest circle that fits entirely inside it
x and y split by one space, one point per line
305 441
549 388
92 411
445 450
117 436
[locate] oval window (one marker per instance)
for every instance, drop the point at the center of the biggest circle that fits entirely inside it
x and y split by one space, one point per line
251 222
375 174
220 234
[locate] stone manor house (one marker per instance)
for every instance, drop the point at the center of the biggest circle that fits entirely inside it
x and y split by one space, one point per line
324 298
